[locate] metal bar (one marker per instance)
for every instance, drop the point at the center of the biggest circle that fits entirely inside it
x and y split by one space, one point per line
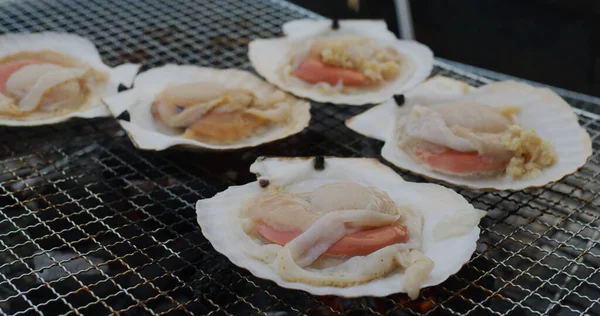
404 17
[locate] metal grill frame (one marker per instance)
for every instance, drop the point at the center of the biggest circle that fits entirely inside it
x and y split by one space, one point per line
90 225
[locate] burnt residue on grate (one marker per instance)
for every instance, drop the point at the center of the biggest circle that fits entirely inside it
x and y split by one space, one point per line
138 55
162 35
90 225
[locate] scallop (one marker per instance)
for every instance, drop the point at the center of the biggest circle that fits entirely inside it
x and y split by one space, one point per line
341 226
501 136
49 77
358 63
206 108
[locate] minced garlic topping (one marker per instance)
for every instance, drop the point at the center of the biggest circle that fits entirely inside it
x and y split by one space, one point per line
510 111
362 54
7 105
531 153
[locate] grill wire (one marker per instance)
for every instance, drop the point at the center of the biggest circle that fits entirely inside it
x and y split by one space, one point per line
90 225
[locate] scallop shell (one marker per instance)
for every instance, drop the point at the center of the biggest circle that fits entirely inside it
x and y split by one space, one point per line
146 134
268 55
77 47
541 110
218 220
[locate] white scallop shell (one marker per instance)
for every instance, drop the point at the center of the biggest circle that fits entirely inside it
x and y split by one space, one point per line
218 219
77 47
146 134
268 55
541 110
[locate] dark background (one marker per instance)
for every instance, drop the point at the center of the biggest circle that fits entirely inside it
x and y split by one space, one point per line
555 42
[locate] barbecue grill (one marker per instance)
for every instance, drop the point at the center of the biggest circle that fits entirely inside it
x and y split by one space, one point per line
90 225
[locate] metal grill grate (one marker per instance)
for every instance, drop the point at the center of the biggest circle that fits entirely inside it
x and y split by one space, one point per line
89 225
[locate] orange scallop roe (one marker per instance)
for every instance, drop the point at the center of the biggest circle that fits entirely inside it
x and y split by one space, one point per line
360 243
458 162
226 127
313 70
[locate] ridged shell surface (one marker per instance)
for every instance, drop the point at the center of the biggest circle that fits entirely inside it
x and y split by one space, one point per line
541 109
147 134
218 218
76 47
268 56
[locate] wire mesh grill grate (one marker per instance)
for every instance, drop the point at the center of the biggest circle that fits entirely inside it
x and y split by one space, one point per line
89 225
